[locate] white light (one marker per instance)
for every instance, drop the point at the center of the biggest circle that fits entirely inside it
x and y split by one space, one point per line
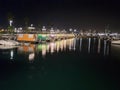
52 46
52 35
52 30
43 29
20 28
58 31
10 22
75 30
43 26
89 45
31 25
70 29
44 50
31 56
15 30
11 54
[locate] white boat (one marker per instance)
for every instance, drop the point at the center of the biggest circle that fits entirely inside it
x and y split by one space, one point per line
115 42
9 42
6 47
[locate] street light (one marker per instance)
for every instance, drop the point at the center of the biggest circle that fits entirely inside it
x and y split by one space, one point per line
58 31
75 30
51 30
10 22
43 29
70 29
31 25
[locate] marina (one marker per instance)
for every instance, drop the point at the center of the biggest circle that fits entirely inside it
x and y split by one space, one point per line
66 63
59 45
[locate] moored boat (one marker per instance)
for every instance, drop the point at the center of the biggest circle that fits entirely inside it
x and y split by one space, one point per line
6 47
115 42
9 42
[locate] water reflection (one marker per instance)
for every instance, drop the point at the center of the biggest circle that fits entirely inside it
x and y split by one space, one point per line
44 48
89 44
31 56
80 44
99 45
52 47
26 48
57 46
62 45
70 46
11 54
29 50
94 42
70 64
74 44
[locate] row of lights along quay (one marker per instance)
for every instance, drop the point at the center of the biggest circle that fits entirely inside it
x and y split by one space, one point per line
34 34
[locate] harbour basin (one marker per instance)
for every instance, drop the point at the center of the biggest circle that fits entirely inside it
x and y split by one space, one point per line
71 64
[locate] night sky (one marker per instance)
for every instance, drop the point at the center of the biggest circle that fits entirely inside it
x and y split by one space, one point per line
79 14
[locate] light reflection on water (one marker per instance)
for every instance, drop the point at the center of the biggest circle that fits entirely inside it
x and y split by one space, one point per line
31 56
99 41
91 45
11 54
62 62
80 44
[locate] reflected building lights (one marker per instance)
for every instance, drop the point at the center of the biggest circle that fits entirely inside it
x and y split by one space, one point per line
70 45
80 44
99 42
31 56
44 50
89 45
26 48
52 47
94 44
67 43
74 44
61 45
11 54
48 47
20 49
30 49
64 42
43 53
58 46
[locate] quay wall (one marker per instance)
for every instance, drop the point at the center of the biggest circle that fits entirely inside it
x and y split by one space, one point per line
42 37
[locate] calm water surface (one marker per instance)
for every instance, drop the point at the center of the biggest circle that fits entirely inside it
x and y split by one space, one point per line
72 64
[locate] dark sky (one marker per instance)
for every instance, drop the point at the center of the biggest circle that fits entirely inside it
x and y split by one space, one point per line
80 14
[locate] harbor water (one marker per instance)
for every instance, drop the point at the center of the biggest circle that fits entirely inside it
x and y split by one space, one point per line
71 64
